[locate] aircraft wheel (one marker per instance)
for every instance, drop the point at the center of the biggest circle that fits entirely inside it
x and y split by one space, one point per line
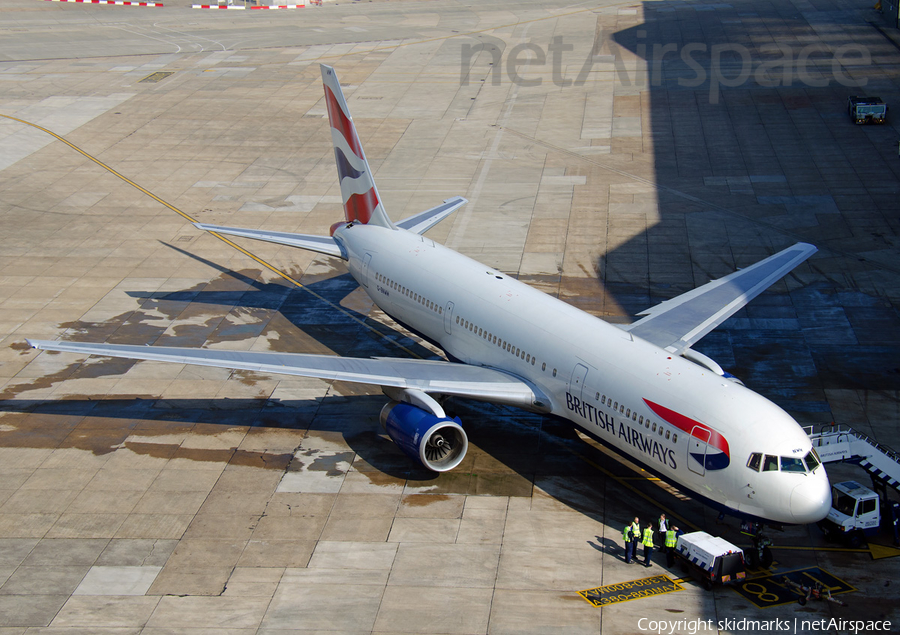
752 559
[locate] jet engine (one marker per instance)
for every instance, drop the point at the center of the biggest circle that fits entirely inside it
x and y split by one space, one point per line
438 443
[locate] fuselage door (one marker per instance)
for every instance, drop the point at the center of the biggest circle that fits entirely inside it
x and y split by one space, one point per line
448 317
576 382
365 270
697 446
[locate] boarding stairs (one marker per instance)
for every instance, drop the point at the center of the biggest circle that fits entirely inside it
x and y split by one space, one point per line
837 443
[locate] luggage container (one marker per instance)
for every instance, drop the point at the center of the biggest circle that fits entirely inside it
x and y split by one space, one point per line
712 559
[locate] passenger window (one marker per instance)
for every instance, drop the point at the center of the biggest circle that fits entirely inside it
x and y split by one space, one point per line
621 408
675 438
616 405
770 464
867 506
628 413
634 416
791 464
641 420
660 430
667 435
754 461
603 400
654 426
647 424
544 366
554 372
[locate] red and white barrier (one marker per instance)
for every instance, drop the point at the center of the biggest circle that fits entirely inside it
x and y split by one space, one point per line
242 7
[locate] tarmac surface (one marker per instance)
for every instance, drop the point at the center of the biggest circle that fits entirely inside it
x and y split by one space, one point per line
139 497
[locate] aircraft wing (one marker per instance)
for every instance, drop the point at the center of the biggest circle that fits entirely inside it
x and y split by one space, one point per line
680 322
321 244
430 376
423 221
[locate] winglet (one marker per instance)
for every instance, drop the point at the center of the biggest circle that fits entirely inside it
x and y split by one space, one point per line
361 201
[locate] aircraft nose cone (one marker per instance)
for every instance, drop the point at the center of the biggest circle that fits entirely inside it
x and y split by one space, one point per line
811 500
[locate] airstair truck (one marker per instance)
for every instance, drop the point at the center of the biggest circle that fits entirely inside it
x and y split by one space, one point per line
712 559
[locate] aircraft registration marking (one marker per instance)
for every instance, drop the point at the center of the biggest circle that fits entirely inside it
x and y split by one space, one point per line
633 590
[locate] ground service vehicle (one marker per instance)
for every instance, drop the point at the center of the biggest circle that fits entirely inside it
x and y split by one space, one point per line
867 109
712 559
855 514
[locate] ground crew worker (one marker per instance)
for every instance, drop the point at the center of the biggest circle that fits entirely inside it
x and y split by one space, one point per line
670 546
629 543
662 526
648 544
635 536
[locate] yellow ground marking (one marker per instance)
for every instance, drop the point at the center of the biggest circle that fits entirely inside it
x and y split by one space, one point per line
631 590
225 240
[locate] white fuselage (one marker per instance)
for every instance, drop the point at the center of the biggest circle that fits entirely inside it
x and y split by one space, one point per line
691 426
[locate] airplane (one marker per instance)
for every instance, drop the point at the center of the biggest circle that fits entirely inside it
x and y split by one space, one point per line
639 389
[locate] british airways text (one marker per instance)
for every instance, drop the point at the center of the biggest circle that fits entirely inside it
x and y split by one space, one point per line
632 436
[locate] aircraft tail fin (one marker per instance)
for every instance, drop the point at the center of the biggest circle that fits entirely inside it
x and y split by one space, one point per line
361 201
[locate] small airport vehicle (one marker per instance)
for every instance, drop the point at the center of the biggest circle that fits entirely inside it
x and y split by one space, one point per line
855 514
712 559
866 109
807 593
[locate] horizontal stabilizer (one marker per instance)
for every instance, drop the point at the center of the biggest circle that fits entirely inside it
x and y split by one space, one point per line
429 376
423 221
321 244
682 321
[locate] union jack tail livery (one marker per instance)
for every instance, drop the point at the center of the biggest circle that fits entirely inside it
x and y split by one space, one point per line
361 201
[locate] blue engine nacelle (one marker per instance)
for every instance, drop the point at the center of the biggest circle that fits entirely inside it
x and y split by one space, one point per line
439 444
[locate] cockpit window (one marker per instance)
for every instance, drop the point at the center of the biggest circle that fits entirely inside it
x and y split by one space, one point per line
755 460
770 464
812 461
843 503
791 464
